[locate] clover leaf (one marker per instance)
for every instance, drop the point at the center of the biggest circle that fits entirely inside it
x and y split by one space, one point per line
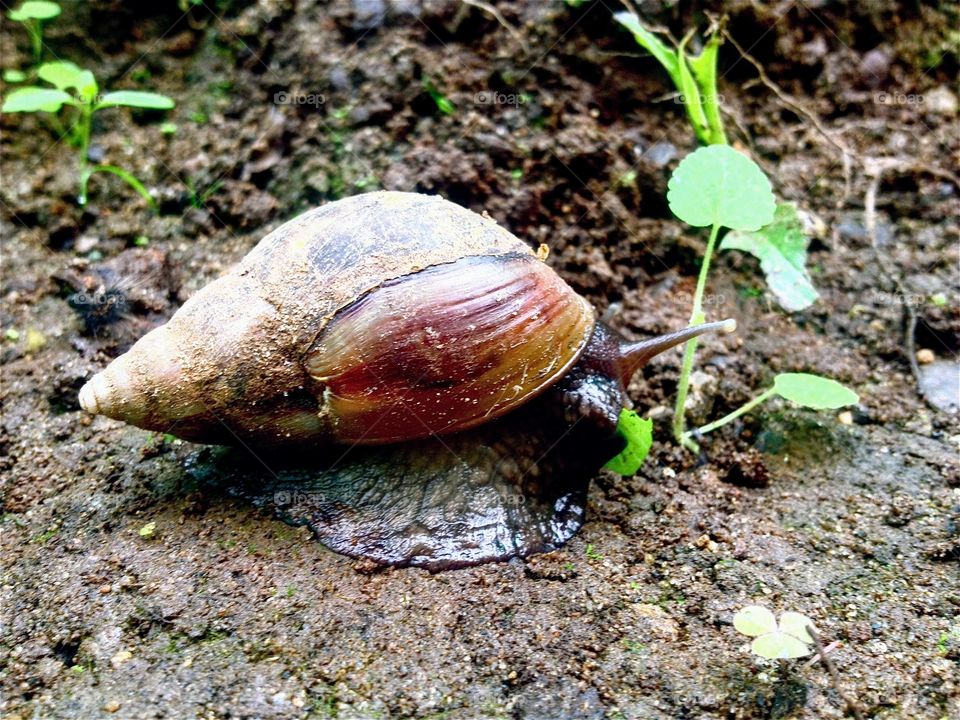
772 640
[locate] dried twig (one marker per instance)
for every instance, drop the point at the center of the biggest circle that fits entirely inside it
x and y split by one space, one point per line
851 705
498 16
794 104
875 168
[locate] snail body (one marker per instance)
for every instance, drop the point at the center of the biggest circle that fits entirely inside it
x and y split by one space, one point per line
387 319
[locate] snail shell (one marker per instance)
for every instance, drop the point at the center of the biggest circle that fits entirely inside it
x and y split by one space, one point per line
377 318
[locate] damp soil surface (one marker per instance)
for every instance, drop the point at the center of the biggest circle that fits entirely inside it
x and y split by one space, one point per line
134 586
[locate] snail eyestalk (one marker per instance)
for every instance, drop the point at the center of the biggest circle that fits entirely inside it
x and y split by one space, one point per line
635 355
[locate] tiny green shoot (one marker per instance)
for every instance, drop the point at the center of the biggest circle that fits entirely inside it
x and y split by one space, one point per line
148 530
77 89
774 640
198 197
443 103
938 299
32 15
638 433
695 77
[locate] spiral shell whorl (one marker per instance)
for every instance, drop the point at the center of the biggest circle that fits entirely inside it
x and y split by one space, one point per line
228 364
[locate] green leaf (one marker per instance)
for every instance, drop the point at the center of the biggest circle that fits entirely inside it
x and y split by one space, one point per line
755 620
35 10
779 646
64 75
794 623
13 76
652 44
638 432
781 247
136 99
813 391
36 99
716 185
704 69
61 75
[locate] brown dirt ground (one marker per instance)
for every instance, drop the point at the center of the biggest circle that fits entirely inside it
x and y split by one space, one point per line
226 612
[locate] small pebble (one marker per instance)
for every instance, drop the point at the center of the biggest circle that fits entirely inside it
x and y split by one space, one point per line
120 658
845 418
925 356
941 101
105 589
111 706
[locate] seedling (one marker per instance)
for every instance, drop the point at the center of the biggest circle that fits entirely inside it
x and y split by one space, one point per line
198 197
784 640
443 103
77 89
32 15
695 77
718 187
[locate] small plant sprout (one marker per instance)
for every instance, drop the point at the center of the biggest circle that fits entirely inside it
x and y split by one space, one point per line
715 187
32 15
695 77
718 187
774 640
443 103
77 89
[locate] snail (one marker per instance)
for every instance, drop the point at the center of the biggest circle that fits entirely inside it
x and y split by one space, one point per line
452 394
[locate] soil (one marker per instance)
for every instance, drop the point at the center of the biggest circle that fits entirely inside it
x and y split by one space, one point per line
134 586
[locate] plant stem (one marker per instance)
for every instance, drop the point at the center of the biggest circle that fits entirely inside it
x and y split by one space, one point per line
35 31
742 410
84 128
851 705
120 173
696 317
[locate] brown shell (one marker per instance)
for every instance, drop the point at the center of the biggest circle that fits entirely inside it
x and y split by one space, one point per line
228 366
447 348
